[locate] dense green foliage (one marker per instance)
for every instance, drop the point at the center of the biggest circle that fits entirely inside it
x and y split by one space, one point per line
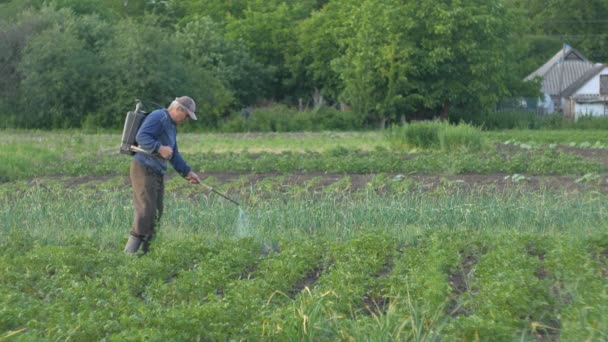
68 63
583 23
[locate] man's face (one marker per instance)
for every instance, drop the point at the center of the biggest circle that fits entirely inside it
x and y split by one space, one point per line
181 115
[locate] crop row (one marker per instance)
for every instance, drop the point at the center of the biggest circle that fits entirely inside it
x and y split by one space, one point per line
102 210
35 162
443 285
252 188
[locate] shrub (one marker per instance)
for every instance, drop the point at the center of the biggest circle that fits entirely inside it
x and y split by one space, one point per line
271 119
417 135
510 120
329 118
280 118
435 135
590 122
461 136
530 120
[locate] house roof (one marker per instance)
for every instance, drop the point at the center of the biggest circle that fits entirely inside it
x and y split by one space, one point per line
564 74
589 74
568 53
563 69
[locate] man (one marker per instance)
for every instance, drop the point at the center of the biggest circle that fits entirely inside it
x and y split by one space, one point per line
157 135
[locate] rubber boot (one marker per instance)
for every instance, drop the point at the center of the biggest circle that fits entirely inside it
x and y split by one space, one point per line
132 244
145 247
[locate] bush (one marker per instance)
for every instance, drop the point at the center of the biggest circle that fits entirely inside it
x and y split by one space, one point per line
436 135
589 122
530 120
510 120
461 136
280 118
271 119
329 118
417 135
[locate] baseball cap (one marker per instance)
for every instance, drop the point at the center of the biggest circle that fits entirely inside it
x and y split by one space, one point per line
188 104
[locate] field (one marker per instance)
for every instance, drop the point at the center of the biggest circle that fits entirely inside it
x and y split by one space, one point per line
340 237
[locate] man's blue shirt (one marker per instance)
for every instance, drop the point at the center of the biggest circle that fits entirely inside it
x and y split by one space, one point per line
159 129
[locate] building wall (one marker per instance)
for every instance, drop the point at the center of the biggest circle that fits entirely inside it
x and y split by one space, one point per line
593 85
588 109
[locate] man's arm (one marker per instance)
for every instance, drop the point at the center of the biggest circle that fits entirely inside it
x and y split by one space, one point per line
179 164
149 132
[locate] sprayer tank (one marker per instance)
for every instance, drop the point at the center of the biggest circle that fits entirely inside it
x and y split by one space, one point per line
133 121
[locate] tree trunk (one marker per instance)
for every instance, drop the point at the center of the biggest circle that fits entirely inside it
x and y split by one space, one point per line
402 119
317 99
383 123
445 112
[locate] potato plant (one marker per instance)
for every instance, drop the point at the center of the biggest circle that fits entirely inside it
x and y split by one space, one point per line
346 242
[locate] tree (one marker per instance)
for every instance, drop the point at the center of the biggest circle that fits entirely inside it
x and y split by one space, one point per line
203 44
463 54
144 62
425 57
581 23
106 9
59 70
217 10
267 29
16 34
375 64
321 39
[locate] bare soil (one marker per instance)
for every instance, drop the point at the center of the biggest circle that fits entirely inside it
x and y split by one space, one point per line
459 280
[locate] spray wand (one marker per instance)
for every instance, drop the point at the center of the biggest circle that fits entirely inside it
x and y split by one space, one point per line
221 194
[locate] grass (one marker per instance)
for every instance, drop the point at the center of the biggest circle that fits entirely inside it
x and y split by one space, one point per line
78 144
561 137
24 161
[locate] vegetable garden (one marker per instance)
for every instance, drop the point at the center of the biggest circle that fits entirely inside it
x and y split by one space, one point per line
345 238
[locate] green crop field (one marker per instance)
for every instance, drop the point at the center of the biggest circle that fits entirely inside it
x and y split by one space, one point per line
340 236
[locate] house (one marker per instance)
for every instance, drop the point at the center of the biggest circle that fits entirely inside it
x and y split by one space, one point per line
587 96
561 71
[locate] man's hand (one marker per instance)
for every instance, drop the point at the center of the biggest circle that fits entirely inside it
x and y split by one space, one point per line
165 152
192 178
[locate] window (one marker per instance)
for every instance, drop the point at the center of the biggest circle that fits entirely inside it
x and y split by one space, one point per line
604 84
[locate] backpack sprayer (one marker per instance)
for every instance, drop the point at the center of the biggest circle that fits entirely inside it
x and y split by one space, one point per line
129 145
133 121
